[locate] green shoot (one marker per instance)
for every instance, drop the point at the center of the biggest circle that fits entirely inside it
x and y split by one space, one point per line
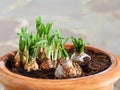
78 44
48 28
64 53
38 22
21 42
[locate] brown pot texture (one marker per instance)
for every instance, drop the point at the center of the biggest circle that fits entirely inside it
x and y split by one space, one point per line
101 81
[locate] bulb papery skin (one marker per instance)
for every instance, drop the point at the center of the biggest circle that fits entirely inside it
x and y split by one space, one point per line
67 69
59 71
32 65
79 57
17 60
46 64
67 62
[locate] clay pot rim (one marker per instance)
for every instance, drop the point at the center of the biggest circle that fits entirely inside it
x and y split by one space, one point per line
111 77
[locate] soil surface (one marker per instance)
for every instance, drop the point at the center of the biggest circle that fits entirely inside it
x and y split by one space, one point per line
98 63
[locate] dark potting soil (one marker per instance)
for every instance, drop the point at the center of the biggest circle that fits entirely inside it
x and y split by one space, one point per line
98 63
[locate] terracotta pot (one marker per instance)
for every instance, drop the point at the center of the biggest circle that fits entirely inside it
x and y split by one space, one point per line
101 81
